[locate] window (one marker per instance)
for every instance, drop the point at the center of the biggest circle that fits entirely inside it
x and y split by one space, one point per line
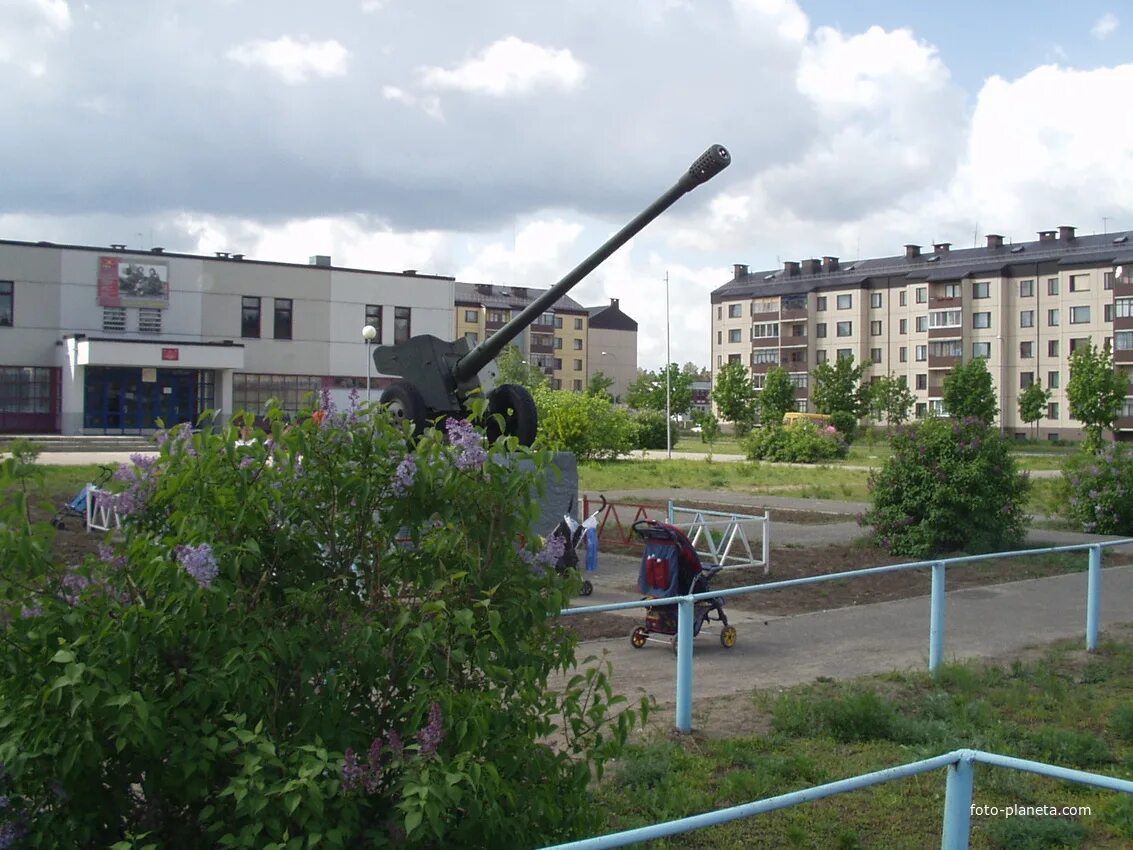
472 337
920 353
1053 379
1124 308
945 318
1107 280
875 328
820 302
734 358
250 317
1026 288
577 384
981 320
1026 379
845 302
921 324
578 342
1074 343
559 322
903 326
472 316
1052 286
762 330
764 355
1052 348
114 319
820 330
1107 312
251 391
1026 318
719 337
936 405
1052 410
374 319
947 348
820 356
719 312
921 409
1026 350
498 317
875 300
981 289
1080 315
558 343
845 329
27 389
903 354
981 349
766 306
799 380
149 320
734 335
1079 283
735 311
556 383
7 296
578 324
922 382
577 365
757 381
401 327
798 331
1052 318
875 355
922 294
282 318
950 290
1123 341
845 354
902 298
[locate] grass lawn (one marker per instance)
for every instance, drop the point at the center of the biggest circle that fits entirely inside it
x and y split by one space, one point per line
1062 706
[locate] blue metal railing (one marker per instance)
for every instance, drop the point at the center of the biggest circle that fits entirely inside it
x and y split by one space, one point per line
936 607
957 821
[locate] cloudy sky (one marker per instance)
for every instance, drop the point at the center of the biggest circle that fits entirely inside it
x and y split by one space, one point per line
502 141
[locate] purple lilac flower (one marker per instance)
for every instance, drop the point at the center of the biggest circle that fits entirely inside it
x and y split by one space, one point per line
10 833
73 586
107 556
246 462
463 436
393 741
29 611
404 476
351 771
199 562
374 771
552 551
429 738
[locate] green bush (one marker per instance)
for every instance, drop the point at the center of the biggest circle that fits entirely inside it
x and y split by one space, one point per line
949 485
1099 497
589 426
800 442
330 636
651 430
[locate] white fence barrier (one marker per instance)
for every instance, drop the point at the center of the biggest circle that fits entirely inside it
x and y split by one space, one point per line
723 538
101 515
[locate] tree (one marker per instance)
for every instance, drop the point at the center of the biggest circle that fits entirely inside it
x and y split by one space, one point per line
734 395
776 397
890 400
840 392
515 369
1032 405
647 392
968 392
599 385
1095 391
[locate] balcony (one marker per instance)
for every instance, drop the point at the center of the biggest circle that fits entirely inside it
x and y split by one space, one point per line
939 302
940 361
764 316
1123 323
494 324
547 347
945 333
1123 355
792 313
793 342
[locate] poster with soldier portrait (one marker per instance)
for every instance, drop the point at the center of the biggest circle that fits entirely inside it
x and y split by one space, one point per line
126 283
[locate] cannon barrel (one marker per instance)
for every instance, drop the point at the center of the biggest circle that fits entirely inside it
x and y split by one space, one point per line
707 165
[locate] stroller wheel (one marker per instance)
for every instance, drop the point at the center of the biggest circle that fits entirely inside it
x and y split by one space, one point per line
638 637
728 637
587 588
58 523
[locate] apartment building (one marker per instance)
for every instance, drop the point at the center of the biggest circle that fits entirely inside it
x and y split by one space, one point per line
107 340
1023 306
612 346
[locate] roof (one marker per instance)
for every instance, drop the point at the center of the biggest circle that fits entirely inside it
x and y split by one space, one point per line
953 264
610 317
509 297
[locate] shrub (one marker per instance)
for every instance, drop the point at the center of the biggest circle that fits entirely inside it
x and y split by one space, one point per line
651 430
948 485
329 632
1099 487
800 442
589 426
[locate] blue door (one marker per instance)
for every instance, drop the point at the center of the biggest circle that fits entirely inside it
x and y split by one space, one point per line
118 401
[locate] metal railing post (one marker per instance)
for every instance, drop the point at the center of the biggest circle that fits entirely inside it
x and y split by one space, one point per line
1093 597
669 513
684 665
936 618
957 827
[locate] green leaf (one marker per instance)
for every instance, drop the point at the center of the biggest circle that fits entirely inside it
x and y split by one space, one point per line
63 656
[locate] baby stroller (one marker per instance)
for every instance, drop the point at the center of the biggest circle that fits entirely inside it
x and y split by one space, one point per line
78 505
670 567
573 533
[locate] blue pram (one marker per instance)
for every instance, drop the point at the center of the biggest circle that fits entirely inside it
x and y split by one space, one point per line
78 505
670 567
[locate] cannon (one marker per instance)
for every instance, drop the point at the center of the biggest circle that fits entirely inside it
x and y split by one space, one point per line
437 377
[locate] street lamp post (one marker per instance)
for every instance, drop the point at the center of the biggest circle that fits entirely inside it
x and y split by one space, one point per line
668 387
368 334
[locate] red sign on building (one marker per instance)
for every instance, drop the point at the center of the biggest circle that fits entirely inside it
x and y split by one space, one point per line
170 354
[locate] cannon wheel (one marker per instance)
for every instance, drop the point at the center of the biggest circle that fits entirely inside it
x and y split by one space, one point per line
405 403
517 407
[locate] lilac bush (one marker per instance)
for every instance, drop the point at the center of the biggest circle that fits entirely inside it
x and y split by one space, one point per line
1098 490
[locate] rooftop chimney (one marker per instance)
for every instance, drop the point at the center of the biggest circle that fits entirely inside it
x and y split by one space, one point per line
1046 235
812 266
237 256
739 270
321 260
614 303
912 251
1065 233
408 272
790 268
222 255
157 250
994 240
941 247
830 264
117 246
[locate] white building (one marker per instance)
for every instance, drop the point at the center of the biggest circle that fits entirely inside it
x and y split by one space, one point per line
109 340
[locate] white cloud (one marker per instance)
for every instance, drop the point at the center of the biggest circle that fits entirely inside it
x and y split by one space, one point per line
430 105
1104 26
538 255
27 30
369 6
509 66
783 18
293 61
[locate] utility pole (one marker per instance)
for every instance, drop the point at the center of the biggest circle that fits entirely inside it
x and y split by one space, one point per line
668 378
